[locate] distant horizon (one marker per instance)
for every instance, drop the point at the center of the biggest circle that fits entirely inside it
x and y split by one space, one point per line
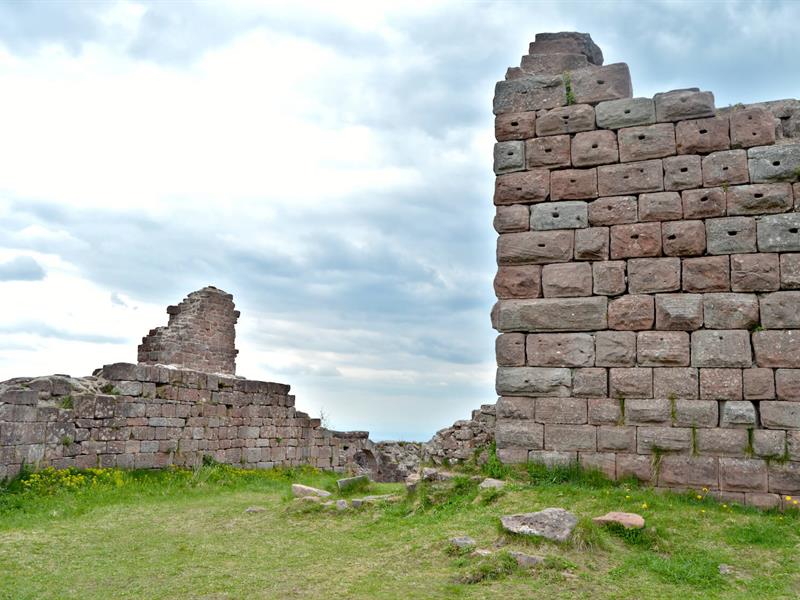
328 165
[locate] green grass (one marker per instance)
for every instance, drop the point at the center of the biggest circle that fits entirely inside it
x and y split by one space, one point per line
184 534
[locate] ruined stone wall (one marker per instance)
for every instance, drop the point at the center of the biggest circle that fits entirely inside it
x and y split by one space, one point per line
648 278
138 416
200 334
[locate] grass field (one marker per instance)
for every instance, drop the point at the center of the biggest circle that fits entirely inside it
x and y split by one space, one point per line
185 534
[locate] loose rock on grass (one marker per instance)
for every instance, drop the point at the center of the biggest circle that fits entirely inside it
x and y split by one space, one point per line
627 520
300 491
554 524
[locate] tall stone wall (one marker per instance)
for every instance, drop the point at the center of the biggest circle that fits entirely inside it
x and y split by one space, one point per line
648 278
200 334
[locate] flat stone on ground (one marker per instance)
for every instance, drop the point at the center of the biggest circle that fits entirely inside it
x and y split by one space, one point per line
627 520
351 482
489 482
302 491
554 524
463 542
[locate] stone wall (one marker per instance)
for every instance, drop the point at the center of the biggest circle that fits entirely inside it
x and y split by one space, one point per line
200 334
140 416
648 278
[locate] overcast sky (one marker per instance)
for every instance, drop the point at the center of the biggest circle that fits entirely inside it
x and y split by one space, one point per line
327 163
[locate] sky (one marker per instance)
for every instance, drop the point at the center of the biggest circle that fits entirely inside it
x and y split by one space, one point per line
327 163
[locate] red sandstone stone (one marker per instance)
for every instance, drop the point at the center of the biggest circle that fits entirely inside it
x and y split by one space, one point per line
651 275
615 348
760 198
566 119
573 184
526 187
700 204
706 274
721 384
660 206
790 271
550 152
521 281
631 313
593 148
631 178
590 383
755 272
613 211
510 349
631 383
726 167
662 349
758 384
675 383
682 172
609 277
638 239
643 143
683 238
515 217
534 247
515 126
567 280
752 126
679 312
701 136
787 384
560 350
591 243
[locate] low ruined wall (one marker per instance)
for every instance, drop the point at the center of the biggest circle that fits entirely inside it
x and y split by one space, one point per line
648 278
139 416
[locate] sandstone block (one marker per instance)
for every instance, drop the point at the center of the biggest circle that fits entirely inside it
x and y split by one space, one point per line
630 178
689 471
768 164
510 349
548 152
662 349
722 442
779 233
652 275
730 311
567 280
631 383
592 148
616 439
522 281
776 414
627 112
760 198
682 172
768 442
570 437
552 64
551 459
606 463
752 126
529 93
762 501
665 439
526 434
660 206
591 243
570 42
701 136
731 235
533 381
754 272
551 314
675 382
683 238
726 167
609 82
526 187
787 384
515 407
566 119
721 348
636 240
590 383
636 466
780 310
706 274
613 211
784 478
701 204
605 411
743 474
573 184
790 271
758 384
514 454
515 217
509 156
777 348
721 384
609 277
515 126
534 247
695 413
615 348
738 413
560 350
559 215
566 411
679 312
644 143
631 313
678 105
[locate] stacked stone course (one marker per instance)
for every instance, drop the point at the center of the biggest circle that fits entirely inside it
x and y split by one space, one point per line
648 278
